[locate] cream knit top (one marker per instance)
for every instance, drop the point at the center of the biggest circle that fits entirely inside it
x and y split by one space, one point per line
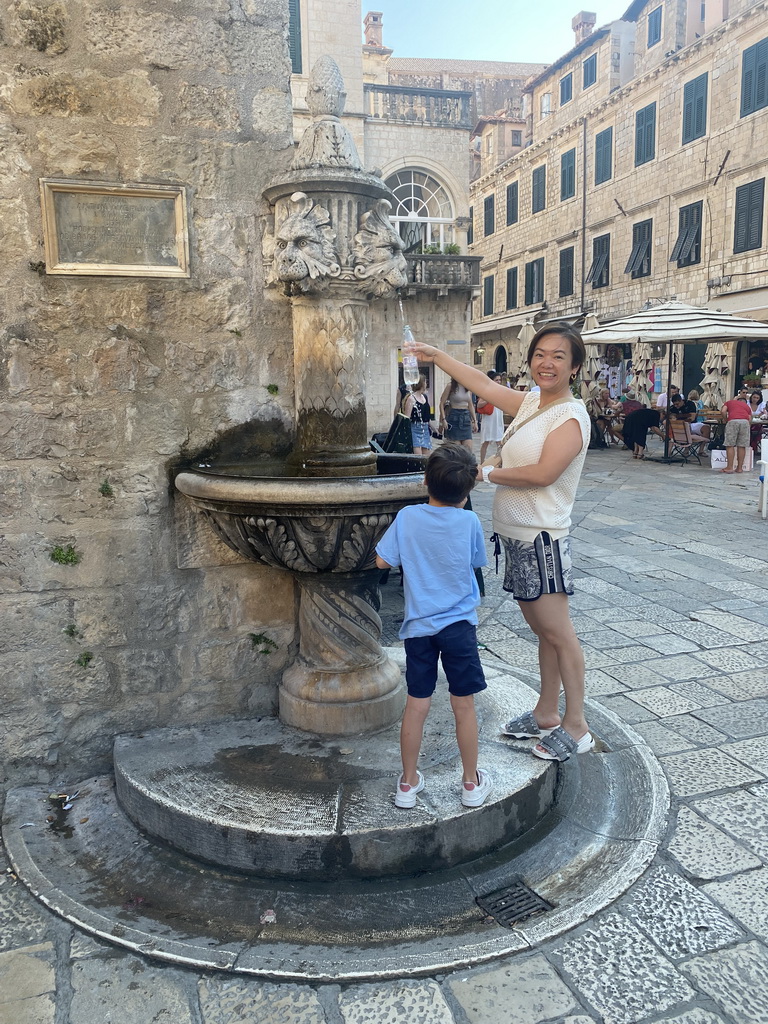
521 513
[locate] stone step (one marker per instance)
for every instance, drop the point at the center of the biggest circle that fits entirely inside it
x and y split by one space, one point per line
262 798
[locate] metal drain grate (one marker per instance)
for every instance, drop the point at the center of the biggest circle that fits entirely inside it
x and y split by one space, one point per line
513 904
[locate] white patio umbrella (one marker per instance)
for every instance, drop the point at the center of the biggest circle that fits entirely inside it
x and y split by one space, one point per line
678 324
715 367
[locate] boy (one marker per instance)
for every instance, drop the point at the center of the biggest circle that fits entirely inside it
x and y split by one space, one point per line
439 545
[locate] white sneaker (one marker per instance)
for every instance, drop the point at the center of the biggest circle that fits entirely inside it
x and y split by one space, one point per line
405 795
472 795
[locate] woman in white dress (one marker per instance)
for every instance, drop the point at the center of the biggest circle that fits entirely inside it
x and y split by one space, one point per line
492 424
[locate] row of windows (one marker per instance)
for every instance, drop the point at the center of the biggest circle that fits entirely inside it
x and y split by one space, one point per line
754 96
748 234
694 126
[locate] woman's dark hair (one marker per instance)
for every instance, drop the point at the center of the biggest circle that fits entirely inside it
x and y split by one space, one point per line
493 374
420 384
450 473
756 394
578 352
453 386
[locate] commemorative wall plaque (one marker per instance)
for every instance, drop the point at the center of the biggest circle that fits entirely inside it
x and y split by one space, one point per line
109 228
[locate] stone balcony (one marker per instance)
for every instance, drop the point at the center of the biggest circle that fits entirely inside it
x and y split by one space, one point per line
443 274
444 107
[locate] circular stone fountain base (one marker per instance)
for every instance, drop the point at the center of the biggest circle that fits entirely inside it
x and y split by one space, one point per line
258 797
95 868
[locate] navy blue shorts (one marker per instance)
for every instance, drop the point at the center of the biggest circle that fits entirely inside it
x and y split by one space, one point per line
457 647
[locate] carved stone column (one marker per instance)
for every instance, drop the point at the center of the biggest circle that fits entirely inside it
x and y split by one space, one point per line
329 371
342 683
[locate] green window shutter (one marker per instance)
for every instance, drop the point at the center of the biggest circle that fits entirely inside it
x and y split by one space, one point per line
534 281
748 221
512 288
512 203
589 73
568 174
603 155
754 78
471 226
294 35
539 189
695 109
488 298
489 216
645 134
566 271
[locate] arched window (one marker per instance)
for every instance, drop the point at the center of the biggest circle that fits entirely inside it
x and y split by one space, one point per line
500 359
423 212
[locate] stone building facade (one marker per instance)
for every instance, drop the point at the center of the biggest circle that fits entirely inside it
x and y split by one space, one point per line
113 620
642 180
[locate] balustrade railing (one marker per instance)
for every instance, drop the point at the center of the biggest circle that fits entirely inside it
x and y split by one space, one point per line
428 271
419 106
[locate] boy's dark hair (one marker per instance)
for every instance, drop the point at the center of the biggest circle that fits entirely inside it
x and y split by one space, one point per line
450 473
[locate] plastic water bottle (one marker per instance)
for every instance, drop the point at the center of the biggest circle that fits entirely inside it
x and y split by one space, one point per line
410 362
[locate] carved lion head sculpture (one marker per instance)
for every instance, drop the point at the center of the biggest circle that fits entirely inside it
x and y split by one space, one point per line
379 251
304 253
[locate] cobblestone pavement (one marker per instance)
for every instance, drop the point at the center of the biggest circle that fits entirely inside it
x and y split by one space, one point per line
672 612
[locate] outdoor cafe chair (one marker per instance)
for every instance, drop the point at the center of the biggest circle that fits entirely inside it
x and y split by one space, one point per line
682 443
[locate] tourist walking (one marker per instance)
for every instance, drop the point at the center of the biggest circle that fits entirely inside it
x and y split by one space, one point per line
438 546
541 462
457 413
491 422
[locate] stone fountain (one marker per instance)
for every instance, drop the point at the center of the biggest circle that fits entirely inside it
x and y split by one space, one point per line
315 874
331 249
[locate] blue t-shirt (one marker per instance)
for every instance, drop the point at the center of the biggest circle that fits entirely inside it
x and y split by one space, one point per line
438 548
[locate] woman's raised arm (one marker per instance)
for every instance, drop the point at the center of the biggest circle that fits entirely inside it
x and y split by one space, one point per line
472 379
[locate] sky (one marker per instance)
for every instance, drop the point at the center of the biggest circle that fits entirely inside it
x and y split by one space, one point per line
527 31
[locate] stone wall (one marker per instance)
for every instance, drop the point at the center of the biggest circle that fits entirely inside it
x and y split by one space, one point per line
108 383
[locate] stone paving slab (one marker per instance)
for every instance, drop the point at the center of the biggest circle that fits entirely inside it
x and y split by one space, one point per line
704 851
641 980
526 992
735 979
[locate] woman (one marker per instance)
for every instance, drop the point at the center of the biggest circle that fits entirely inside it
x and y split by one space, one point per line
757 406
602 412
416 408
535 489
491 424
636 427
457 413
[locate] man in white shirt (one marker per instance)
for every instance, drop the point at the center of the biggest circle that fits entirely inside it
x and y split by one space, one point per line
661 401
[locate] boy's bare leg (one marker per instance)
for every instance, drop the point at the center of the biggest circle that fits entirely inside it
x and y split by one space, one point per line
411 733
466 734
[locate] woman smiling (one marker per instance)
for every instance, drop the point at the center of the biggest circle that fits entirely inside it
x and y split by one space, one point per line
541 461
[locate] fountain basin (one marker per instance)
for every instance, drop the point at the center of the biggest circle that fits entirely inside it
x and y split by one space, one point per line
304 524
324 530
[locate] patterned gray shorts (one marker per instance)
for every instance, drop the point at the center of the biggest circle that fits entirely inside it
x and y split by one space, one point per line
540 567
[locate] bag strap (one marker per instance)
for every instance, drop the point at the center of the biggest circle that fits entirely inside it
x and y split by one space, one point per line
515 425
